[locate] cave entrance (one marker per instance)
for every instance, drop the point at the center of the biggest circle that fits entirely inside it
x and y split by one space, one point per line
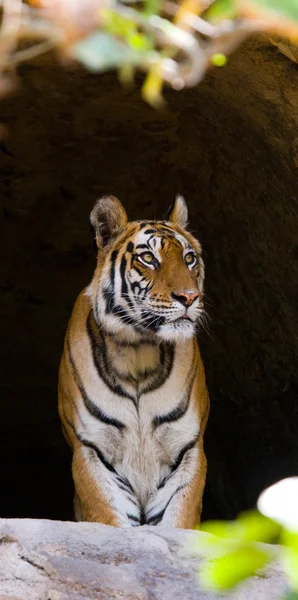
230 147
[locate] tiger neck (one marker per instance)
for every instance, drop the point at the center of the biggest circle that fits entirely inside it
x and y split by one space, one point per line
133 361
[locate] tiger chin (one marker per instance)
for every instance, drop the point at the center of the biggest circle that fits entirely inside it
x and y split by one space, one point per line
132 393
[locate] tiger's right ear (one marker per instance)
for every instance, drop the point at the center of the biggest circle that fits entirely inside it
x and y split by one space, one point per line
108 219
178 213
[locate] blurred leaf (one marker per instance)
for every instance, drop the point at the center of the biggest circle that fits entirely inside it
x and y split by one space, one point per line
101 51
117 24
193 7
278 16
221 9
219 59
291 596
140 41
285 8
152 88
125 28
290 538
226 571
152 7
126 75
222 529
290 564
212 546
258 528
249 526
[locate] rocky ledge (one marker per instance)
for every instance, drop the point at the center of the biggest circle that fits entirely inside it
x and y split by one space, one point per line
52 560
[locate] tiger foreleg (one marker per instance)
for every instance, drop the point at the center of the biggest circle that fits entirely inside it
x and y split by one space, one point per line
178 501
102 495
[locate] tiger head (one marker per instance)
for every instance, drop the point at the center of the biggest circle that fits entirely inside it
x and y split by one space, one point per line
149 275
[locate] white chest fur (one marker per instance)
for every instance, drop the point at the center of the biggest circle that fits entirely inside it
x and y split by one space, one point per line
147 389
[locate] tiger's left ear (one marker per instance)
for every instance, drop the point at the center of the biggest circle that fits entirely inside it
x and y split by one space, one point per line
108 219
178 213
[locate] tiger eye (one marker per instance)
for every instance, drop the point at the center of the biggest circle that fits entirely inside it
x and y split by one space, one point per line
190 258
147 257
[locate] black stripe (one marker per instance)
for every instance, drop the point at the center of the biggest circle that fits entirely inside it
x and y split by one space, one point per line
108 292
98 452
114 380
174 466
105 462
124 344
125 482
151 323
142 516
124 286
155 519
92 408
133 518
175 414
180 410
124 489
151 231
143 224
146 223
142 246
182 453
124 316
166 360
170 232
170 209
135 267
100 359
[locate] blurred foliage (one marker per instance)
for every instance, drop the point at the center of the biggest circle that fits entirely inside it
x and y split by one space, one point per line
236 551
172 42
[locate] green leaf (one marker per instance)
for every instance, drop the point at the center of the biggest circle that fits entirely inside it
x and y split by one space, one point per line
227 571
152 7
290 538
117 24
140 42
126 75
289 559
221 9
101 51
152 88
249 526
218 59
222 529
256 527
285 8
291 595
212 546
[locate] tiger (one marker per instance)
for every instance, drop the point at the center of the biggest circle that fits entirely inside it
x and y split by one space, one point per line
133 398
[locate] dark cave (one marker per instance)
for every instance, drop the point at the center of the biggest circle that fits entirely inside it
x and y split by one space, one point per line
230 147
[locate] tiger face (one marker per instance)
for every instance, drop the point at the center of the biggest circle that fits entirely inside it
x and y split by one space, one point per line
149 275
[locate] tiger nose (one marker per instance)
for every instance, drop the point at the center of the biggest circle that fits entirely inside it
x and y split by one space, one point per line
186 297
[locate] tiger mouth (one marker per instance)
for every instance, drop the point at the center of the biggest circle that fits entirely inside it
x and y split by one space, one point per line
183 318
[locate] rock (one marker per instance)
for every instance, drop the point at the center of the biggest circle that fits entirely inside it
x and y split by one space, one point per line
51 560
